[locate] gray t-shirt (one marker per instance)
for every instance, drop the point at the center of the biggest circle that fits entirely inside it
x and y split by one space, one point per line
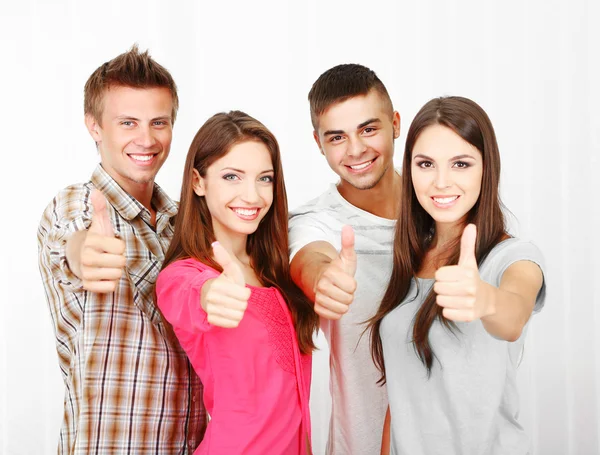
358 403
470 404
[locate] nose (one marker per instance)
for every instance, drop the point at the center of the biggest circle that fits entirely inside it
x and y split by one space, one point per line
250 194
145 138
356 148
442 179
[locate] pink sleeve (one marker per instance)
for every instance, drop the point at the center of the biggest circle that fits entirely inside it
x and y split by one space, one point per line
178 294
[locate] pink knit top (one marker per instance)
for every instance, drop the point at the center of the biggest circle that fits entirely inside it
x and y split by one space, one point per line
256 382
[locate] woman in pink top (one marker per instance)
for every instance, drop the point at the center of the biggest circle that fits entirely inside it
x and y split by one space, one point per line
226 290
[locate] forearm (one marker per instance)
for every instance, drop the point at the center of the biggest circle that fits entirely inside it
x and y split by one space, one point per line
307 270
508 313
385 439
73 251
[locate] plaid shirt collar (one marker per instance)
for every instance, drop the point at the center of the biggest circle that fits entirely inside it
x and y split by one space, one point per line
127 206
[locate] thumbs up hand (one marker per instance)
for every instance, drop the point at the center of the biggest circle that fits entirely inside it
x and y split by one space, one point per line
459 289
225 298
334 291
102 256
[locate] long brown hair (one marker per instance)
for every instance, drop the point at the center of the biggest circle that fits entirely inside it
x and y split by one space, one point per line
268 246
414 227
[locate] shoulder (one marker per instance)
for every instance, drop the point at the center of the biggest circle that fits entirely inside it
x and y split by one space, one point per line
185 268
327 203
509 251
70 203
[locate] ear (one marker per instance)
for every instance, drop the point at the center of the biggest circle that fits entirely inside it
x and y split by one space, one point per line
94 128
318 141
396 124
198 183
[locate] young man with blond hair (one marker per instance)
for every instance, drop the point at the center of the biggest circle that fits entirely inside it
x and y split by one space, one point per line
129 387
341 244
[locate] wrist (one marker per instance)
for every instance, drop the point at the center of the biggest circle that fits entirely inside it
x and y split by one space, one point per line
204 292
489 296
73 251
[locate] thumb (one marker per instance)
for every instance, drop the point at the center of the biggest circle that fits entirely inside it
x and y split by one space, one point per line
467 247
230 269
347 253
101 223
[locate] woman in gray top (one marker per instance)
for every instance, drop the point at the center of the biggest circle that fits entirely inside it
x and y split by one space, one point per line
450 328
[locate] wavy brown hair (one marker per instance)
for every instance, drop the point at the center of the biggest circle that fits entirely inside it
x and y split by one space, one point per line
414 227
268 246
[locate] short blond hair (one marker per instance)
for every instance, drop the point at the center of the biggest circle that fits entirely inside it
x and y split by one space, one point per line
131 69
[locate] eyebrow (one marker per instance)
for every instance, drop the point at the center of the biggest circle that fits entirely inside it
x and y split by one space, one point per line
457 157
362 125
244 172
130 117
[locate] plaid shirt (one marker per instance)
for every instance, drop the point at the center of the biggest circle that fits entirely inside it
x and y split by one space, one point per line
129 387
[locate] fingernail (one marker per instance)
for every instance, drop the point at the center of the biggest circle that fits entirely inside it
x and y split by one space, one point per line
216 242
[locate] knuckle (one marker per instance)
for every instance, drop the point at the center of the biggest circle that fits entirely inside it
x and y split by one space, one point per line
352 287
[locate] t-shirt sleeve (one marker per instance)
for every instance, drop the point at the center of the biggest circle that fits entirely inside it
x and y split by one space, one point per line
70 211
517 251
307 228
178 290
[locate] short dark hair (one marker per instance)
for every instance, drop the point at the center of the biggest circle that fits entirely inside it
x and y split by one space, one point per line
131 69
340 83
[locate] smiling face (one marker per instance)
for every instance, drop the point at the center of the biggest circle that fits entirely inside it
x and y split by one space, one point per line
446 174
357 138
238 189
134 137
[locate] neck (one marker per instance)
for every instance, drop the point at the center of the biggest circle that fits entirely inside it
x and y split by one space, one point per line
445 233
382 200
142 192
235 244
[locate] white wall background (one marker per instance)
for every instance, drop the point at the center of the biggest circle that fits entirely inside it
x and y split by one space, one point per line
533 65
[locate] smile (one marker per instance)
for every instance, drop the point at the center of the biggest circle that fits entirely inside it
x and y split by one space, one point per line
444 202
142 159
246 214
361 166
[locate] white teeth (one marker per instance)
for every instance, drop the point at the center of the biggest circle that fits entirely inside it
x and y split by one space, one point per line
246 212
358 167
445 200
141 157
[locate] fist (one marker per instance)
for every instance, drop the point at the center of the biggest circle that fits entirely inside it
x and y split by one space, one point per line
102 258
334 291
459 287
225 298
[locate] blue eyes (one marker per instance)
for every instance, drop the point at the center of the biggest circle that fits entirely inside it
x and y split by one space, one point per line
233 177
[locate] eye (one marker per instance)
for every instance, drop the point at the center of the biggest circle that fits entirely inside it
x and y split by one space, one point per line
230 177
369 129
335 138
425 164
127 123
462 164
160 123
266 179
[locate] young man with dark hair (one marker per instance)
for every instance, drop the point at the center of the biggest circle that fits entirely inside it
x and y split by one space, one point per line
341 243
129 387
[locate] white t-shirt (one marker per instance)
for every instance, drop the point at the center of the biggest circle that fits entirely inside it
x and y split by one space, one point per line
358 403
470 404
